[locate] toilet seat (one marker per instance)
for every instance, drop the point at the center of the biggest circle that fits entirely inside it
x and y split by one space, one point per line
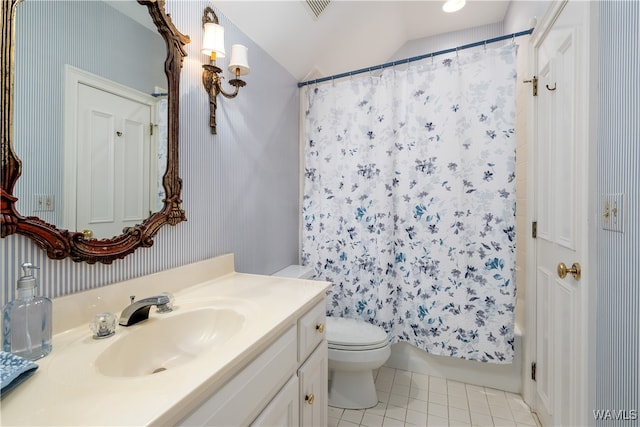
354 335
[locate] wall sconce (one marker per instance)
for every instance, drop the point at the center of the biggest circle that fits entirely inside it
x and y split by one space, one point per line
213 45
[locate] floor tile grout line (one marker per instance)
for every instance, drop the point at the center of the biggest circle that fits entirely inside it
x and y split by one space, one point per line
442 384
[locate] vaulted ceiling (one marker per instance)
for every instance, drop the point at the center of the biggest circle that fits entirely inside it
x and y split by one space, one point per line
348 35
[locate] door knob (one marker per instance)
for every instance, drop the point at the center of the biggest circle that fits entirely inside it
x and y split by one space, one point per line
88 234
574 270
309 398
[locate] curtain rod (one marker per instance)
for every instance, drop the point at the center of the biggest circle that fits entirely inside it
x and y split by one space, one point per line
417 58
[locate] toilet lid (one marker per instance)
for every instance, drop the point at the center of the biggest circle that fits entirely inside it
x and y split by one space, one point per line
350 333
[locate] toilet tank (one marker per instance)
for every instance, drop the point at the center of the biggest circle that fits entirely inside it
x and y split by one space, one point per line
295 272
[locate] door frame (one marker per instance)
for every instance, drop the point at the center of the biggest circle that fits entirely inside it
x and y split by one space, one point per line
587 303
73 77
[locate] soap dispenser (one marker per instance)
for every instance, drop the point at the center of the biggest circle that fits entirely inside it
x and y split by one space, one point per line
26 321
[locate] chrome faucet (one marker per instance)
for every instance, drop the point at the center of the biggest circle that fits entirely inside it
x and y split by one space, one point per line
139 310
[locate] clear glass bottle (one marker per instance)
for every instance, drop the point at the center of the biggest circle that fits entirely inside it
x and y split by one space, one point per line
26 321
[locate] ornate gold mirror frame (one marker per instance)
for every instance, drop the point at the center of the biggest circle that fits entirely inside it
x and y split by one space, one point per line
58 243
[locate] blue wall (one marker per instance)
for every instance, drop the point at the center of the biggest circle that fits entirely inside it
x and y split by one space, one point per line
87 31
617 292
240 188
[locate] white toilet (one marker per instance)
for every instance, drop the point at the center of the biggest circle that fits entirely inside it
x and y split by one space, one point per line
356 348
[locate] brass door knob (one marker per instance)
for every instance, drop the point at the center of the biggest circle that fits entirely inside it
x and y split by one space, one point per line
574 270
88 234
320 328
309 398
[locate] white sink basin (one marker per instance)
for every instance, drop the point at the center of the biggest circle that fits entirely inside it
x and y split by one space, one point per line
165 341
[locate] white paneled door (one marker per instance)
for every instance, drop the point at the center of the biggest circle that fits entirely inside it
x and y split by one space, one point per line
113 162
561 206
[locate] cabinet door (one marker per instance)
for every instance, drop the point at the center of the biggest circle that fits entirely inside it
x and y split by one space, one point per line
313 376
283 409
242 398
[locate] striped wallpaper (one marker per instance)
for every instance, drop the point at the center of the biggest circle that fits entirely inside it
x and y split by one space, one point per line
617 373
240 187
40 96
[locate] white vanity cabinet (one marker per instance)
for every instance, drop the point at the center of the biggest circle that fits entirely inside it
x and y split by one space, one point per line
285 385
313 378
283 410
259 355
313 370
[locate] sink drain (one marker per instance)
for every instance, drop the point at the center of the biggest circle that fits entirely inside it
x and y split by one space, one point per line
155 371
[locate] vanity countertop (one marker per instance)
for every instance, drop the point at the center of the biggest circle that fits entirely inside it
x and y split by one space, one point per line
67 389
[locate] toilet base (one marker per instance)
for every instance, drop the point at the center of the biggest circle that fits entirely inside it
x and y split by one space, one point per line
352 390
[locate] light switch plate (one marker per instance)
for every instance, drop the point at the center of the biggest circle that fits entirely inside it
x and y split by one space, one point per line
43 203
617 211
613 212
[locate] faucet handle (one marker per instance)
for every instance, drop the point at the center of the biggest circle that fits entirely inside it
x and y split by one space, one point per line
166 308
103 325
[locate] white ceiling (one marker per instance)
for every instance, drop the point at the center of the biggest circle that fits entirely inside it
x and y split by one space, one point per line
348 35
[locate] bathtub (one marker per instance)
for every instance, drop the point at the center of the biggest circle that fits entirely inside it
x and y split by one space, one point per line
507 377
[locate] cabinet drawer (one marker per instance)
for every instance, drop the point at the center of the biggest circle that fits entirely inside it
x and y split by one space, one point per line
311 330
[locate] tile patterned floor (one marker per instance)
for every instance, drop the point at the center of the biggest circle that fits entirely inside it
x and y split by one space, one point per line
410 399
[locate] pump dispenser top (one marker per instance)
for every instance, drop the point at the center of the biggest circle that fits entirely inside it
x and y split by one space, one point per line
27 283
27 319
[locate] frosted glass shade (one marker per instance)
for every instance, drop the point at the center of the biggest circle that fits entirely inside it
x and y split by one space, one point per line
239 59
213 40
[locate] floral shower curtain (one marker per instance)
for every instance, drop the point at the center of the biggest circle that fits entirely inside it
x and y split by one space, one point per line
409 201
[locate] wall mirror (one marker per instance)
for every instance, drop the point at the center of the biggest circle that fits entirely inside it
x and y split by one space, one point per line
90 107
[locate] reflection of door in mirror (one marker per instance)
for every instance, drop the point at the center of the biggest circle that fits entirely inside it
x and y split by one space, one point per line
113 162
90 35
111 155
